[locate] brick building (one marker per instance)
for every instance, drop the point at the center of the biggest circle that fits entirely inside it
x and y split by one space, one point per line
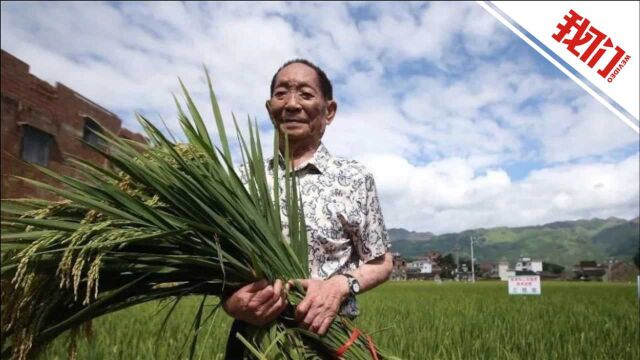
42 124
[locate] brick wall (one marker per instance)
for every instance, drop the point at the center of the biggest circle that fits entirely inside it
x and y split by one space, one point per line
56 110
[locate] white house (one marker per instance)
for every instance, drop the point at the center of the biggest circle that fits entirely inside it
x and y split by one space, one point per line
527 264
503 270
425 266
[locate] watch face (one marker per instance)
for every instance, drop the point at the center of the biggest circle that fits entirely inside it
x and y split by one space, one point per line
355 287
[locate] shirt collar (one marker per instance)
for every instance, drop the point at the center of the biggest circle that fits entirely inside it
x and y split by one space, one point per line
319 161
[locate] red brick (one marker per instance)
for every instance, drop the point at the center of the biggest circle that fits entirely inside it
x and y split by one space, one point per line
58 110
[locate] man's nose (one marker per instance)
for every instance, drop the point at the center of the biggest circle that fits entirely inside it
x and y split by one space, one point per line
292 102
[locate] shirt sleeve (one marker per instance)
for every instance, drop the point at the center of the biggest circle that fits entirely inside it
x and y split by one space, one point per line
373 240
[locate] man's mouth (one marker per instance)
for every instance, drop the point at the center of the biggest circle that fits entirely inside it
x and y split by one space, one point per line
294 120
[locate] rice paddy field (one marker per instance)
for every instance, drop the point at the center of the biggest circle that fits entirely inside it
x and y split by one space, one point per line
416 320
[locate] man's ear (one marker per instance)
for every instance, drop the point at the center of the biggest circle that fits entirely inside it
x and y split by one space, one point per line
332 108
267 104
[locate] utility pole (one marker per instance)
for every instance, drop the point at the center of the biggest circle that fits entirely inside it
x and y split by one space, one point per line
457 259
473 270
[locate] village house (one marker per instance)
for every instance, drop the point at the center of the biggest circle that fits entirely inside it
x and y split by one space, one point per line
526 264
42 124
621 271
422 265
487 270
589 271
504 272
422 268
399 271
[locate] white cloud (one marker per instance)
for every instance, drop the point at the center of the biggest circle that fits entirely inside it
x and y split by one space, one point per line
483 34
592 132
449 195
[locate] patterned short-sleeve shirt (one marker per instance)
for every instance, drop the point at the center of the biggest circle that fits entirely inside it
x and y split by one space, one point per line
342 212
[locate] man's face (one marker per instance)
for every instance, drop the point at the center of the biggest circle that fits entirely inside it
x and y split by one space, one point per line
298 107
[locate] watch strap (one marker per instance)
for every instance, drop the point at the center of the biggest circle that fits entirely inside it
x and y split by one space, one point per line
351 282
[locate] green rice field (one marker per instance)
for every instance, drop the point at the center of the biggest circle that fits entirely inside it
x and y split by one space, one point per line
416 320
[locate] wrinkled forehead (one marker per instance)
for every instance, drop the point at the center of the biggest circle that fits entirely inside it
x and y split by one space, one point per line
297 75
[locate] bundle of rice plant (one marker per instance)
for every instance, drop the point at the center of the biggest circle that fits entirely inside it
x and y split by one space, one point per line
165 221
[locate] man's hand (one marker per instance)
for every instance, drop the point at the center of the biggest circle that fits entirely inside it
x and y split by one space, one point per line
257 303
321 303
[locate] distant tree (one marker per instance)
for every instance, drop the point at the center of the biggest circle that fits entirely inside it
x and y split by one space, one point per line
467 261
447 264
636 259
552 268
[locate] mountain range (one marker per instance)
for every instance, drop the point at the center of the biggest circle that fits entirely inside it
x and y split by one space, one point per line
564 242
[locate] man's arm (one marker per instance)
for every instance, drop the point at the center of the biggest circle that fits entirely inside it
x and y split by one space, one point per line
374 273
323 299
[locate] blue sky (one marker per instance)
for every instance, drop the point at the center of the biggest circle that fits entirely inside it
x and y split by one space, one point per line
462 124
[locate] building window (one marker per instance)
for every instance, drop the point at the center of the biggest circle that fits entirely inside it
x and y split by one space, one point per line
36 145
91 131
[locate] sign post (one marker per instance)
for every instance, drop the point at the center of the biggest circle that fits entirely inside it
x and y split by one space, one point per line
525 285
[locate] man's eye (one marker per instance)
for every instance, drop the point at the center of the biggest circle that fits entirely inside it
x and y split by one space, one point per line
279 94
306 95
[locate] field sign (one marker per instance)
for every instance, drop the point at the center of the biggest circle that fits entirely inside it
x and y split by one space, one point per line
524 285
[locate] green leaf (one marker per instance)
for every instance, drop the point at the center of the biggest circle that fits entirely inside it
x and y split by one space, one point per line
203 134
196 328
218 117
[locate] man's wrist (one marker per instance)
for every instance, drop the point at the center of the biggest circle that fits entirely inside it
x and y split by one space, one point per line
353 285
343 280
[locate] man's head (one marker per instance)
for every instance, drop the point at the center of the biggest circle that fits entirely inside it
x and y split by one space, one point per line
301 103
323 80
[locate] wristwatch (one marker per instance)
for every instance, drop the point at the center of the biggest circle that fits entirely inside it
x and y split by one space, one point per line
354 285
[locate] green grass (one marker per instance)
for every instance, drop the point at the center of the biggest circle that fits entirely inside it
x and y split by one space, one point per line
474 321
423 320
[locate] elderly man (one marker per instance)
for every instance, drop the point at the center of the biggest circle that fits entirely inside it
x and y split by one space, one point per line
348 242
